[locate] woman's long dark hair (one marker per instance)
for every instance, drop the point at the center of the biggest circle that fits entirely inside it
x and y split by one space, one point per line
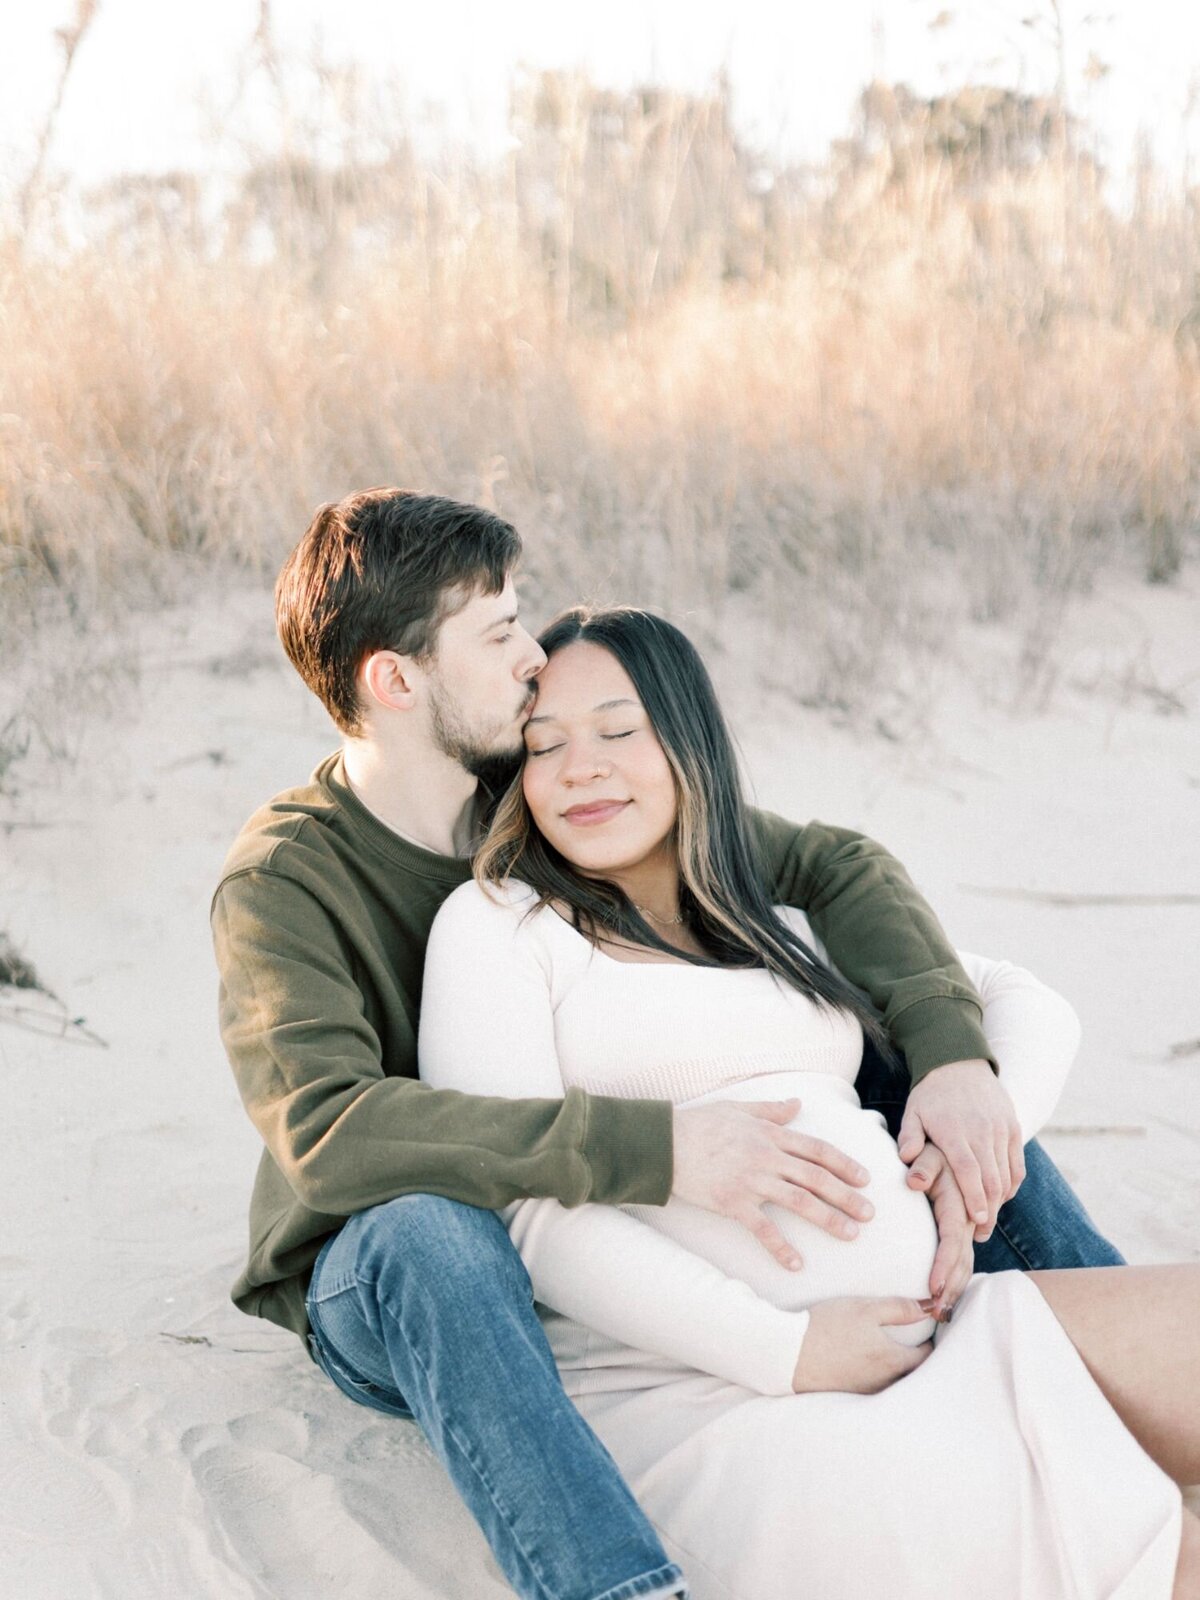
724 896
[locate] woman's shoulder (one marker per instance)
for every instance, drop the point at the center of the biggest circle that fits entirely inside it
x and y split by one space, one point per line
481 923
508 894
473 904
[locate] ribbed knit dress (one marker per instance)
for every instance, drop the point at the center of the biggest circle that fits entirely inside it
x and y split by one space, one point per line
997 1470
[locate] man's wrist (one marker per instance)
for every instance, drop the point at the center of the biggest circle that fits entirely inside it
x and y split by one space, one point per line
629 1149
973 1061
939 1032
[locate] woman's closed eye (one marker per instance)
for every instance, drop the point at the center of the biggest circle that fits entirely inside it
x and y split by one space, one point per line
548 749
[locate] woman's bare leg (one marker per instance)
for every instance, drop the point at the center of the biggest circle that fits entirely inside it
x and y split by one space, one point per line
1187 1573
1138 1331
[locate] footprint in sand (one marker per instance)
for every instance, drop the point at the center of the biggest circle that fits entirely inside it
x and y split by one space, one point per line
305 1508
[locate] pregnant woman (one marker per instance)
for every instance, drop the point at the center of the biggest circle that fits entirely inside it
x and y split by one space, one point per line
618 939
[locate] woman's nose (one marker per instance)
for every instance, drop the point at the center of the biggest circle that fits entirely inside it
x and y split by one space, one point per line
585 766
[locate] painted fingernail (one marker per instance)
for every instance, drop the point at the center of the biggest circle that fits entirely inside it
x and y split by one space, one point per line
937 1289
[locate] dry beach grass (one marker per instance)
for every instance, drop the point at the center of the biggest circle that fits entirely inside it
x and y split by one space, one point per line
940 379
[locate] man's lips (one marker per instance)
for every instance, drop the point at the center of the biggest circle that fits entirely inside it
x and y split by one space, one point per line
594 811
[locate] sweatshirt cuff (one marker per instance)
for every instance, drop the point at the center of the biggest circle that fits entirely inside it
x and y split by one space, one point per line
939 1030
628 1146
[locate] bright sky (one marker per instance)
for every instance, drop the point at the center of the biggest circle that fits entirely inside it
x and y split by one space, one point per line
146 67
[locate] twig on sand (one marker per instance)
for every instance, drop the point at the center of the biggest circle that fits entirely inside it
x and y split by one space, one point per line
25 1002
187 1338
39 1012
1125 1130
1050 897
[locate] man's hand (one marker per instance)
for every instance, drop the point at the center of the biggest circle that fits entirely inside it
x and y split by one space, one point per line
955 1259
965 1110
848 1346
735 1157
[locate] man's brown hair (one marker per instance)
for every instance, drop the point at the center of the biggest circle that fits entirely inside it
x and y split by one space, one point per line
382 570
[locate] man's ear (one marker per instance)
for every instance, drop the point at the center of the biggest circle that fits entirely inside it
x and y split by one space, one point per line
389 679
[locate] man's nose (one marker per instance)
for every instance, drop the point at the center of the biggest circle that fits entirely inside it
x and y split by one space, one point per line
533 662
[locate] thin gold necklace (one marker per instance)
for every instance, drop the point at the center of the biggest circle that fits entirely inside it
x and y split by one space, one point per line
666 922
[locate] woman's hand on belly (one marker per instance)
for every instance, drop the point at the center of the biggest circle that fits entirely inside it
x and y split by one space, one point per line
850 1345
955 1259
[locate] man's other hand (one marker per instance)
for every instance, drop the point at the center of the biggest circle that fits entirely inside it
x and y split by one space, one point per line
735 1157
966 1112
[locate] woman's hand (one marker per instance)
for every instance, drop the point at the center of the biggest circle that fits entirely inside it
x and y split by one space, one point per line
848 1346
955 1259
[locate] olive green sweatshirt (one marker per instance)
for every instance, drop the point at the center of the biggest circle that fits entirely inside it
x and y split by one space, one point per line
320 923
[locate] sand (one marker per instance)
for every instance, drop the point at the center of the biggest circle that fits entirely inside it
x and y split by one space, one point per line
155 1442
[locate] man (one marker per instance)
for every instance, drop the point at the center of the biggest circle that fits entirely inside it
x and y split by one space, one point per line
375 1193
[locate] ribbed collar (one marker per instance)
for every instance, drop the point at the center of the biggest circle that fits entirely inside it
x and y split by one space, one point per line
330 776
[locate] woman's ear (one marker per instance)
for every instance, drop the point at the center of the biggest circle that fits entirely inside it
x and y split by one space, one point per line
389 680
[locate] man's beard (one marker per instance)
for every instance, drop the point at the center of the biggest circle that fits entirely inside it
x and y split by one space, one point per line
494 765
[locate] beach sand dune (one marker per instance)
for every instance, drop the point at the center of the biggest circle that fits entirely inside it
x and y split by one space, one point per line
155 1442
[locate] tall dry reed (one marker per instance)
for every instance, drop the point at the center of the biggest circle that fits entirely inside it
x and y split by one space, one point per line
825 415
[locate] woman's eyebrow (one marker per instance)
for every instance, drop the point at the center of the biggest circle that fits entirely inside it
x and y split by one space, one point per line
605 705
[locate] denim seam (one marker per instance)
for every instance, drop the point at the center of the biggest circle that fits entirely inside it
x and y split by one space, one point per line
468 1455
646 1584
1012 1244
367 1384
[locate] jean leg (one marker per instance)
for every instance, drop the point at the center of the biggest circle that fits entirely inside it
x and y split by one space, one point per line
1044 1226
424 1304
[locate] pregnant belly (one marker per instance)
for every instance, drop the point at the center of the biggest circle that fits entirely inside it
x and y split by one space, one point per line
894 1251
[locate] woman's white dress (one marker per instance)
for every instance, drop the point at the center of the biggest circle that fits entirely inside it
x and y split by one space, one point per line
996 1471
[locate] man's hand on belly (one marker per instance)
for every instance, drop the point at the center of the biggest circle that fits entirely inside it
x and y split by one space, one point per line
963 1109
734 1158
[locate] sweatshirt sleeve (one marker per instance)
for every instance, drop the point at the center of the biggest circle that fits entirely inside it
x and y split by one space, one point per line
1032 1032
880 934
596 1264
348 1131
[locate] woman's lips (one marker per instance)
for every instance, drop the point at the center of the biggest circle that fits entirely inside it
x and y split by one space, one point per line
598 811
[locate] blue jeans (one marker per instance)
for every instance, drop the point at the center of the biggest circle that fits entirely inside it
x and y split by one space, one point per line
422 1308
